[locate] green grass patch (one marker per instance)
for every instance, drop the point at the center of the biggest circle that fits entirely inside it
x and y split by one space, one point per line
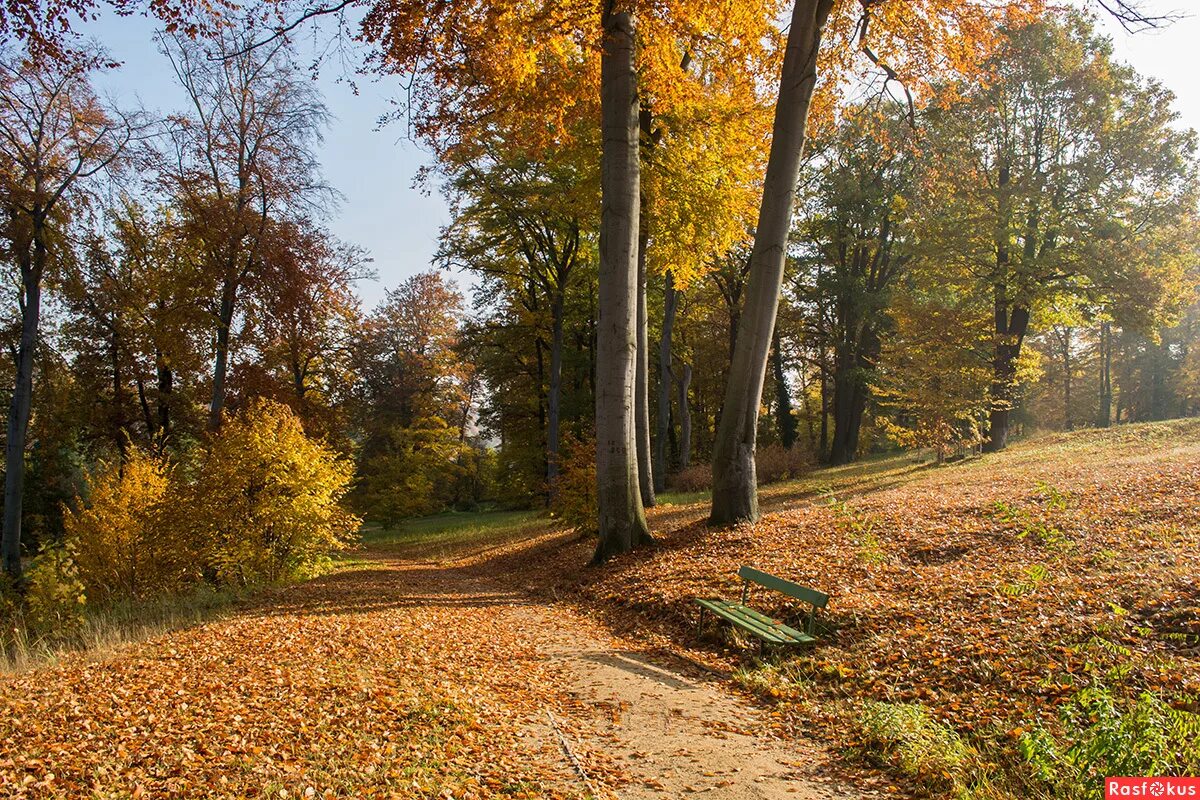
456 534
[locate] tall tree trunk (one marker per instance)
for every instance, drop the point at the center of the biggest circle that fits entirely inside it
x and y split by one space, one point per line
120 436
851 393
785 418
823 442
554 400
622 520
1104 415
1068 420
843 410
735 490
670 301
642 378
1010 333
19 409
1159 357
221 367
166 385
685 416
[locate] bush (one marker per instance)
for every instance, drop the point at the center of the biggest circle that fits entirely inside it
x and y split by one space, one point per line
54 595
772 464
696 478
775 463
122 538
921 747
1100 738
573 499
265 505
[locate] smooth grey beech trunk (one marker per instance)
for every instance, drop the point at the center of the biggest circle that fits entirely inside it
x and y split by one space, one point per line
641 406
685 416
221 365
665 378
20 405
621 518
735 490
554 397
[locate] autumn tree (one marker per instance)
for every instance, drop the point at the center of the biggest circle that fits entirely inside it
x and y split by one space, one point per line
526 221
414 400
55 134
491 58
241 160
134 323
1060 154
302 317
854 245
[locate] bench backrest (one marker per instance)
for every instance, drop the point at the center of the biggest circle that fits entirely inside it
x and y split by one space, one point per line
752 575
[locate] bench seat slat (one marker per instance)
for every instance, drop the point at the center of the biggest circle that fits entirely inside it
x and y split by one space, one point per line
755 622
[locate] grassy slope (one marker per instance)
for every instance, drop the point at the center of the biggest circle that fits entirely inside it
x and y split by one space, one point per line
987 592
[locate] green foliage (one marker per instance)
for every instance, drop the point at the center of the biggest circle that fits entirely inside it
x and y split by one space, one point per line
861 528
265 503
1101 736
1038 525
1030 580
54 595
416 472
905 735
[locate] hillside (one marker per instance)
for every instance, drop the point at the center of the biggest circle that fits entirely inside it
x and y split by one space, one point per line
980 596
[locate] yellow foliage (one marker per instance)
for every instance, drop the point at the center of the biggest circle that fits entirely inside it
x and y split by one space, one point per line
265 504
123 541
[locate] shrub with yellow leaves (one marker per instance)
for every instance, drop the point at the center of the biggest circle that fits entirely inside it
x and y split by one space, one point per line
124 541
265 502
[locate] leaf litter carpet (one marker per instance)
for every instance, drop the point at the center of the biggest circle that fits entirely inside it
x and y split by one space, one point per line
392 679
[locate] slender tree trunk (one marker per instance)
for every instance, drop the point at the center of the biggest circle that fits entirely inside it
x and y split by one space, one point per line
554 400
785 418
665 379
224 324
166 385
685 416
1068 421
144 404
1159 357
19 410
622 520
642 379
1104 418
823 441
118 412
735 490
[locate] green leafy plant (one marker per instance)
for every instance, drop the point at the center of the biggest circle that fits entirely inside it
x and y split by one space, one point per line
54 595
906 736
1101 736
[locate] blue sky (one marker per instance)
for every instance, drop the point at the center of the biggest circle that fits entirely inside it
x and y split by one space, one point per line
374 168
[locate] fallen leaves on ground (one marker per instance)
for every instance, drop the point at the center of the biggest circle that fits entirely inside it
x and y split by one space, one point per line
376 682
988 591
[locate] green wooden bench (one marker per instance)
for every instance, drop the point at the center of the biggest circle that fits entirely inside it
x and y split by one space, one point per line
768 631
